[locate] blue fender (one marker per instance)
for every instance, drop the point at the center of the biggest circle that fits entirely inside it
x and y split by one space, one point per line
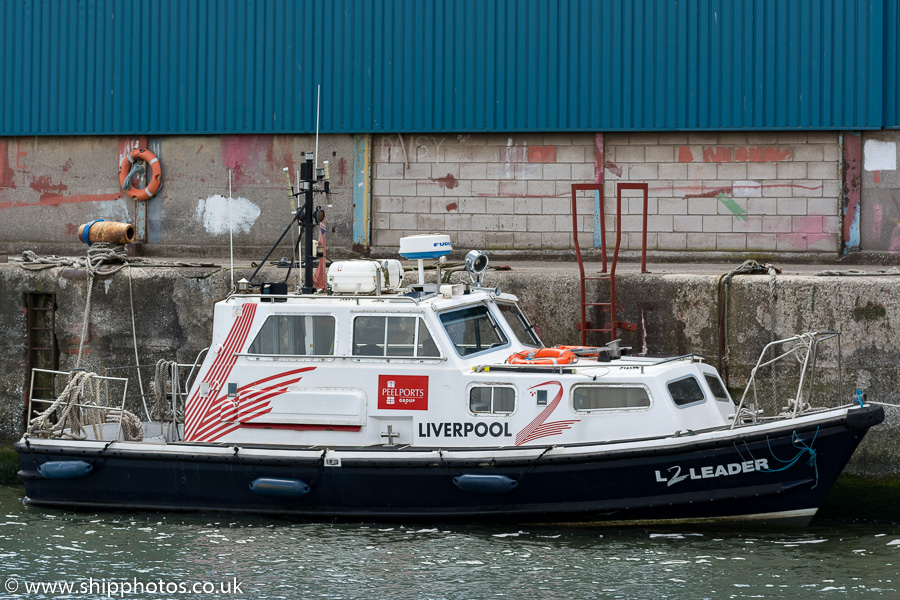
485 484
279 488
65 469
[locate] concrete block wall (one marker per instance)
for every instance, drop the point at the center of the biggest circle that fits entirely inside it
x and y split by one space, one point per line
494 191
730 191
745 192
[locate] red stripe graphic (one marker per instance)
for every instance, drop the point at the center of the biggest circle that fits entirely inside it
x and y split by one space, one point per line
538 428
197 406
253 405
212 416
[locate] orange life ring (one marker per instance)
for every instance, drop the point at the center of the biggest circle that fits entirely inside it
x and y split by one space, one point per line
155 174
582 351
542 356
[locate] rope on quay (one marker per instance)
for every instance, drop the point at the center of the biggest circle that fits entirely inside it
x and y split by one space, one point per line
893 271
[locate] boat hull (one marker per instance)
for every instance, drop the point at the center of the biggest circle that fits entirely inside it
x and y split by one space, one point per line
780 473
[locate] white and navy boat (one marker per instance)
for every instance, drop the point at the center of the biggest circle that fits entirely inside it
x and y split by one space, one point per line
378 401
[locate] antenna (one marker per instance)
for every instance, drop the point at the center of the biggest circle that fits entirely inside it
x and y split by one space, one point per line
230 231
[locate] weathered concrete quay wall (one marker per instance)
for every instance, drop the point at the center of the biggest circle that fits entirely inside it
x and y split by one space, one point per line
677 314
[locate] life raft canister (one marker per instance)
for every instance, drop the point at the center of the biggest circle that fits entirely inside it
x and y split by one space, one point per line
126 171
542 356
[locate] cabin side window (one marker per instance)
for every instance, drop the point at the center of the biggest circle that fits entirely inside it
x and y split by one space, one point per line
473 330
609 397
718 390
520 325
390 336
686 391
295 335
492 399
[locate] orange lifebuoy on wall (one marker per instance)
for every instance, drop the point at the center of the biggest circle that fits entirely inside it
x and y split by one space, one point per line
542 356
125 170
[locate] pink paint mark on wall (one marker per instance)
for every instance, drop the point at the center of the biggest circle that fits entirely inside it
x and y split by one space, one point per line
447 181
452 206
712 192
66 167
57 200
613 168
342 170
49 191
21 155
762 154
717 154
598 157
812 224
876 176
877 218
242 153
894 244
7 175
685 154
542 154
71 228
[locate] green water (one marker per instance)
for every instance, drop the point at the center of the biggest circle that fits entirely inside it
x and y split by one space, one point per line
269 558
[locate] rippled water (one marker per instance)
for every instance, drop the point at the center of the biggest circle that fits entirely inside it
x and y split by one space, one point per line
270 558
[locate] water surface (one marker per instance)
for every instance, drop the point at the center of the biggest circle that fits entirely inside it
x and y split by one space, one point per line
271 558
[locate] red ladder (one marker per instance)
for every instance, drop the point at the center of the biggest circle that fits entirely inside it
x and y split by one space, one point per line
614 324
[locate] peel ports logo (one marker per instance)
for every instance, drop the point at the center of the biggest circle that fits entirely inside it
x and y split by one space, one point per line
403 392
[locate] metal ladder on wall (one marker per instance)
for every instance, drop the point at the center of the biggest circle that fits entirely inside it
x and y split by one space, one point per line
614 324
43 350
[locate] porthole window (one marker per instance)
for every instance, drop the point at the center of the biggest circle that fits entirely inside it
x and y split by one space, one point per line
609 397
492 399
686 391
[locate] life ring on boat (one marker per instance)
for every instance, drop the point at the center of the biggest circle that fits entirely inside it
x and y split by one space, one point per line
582 351
125 172
542 356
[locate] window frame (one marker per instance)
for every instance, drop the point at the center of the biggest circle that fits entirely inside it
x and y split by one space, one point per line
420 321
492 387
260 355
686 404
495 323
527 324
727 399
588 411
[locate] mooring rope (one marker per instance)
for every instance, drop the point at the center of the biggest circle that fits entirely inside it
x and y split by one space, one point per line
748 267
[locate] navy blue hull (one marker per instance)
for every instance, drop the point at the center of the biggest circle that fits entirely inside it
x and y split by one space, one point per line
782 475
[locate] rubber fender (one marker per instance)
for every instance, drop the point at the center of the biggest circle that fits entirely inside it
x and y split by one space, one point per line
279 488
485 484
106 231
65 469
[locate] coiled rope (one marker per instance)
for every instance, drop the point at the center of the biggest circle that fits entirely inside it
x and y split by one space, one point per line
79 406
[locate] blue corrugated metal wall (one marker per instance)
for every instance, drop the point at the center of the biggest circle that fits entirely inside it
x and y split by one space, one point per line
251 66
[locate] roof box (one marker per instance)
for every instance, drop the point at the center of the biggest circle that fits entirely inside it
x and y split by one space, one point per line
415 247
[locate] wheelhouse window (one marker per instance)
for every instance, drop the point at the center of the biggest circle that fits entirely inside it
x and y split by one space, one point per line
520 325
391 336
473 330
686 391
492 399
609 397
718 390
295 335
